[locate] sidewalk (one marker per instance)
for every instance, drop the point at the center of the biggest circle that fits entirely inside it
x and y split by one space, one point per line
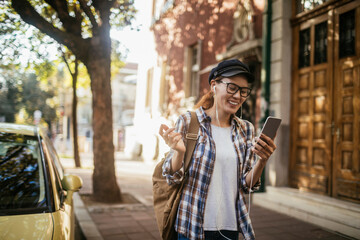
137 221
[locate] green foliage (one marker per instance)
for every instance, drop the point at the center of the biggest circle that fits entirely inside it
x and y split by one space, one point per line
24 45
34 98
23 91
118 55
21 43
9 97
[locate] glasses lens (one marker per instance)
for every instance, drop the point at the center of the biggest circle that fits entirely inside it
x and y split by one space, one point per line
232 88
245 92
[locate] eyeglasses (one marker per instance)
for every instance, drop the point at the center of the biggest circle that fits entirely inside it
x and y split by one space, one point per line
233 88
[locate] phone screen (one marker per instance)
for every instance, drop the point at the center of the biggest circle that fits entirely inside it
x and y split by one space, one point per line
270 127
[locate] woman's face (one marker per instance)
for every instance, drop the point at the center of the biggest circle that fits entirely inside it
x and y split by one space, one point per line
228 103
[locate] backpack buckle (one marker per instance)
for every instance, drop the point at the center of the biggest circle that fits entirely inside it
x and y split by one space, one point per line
191 136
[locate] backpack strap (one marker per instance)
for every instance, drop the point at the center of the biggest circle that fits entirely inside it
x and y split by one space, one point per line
191 137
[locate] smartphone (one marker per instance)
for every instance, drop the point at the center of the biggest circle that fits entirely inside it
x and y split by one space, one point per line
270 127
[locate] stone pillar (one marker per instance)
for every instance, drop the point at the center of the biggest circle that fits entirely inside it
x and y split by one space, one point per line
280 90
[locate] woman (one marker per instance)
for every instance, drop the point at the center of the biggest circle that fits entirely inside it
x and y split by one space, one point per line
222 167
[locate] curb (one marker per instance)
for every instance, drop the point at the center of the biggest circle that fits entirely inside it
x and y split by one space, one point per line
86 223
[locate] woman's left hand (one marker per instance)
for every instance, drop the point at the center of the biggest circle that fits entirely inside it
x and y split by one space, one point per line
264 147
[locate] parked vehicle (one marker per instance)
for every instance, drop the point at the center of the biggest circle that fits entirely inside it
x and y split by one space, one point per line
35 195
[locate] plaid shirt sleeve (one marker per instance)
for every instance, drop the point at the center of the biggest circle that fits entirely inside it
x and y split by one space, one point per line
250 160
176 177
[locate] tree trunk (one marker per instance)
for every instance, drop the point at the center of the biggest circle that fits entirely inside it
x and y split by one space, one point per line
105 187
94 52
74 117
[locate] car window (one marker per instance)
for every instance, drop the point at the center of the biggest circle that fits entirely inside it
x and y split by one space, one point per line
22 181
54 157
49 157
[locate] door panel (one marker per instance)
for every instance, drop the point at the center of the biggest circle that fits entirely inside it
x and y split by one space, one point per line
325 148
346 174
310 167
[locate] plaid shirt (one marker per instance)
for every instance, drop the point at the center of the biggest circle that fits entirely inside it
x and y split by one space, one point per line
190 217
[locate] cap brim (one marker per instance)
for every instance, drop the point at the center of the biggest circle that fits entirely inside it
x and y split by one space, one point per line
236 72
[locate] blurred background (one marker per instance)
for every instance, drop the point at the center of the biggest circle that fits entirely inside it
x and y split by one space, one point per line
304 55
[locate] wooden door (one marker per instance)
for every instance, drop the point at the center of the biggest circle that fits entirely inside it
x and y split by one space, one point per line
346 143
325 117
310 166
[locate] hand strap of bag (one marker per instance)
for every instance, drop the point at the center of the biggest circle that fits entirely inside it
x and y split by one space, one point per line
191 139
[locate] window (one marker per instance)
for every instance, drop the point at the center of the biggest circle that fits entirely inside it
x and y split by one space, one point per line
22 181
320 43
164 86
191 83
50 160
307 5
160 7
347 34
54 157
304 48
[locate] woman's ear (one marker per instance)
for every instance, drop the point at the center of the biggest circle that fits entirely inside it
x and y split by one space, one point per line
212 86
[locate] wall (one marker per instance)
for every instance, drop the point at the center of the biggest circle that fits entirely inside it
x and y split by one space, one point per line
187 22
280 89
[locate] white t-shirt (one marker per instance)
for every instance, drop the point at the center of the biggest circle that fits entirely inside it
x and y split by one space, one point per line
220 211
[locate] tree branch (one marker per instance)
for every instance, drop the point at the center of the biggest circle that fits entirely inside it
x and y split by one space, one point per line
75 43
87 11
61 8
65 61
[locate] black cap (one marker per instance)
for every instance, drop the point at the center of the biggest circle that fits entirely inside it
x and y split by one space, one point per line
230 68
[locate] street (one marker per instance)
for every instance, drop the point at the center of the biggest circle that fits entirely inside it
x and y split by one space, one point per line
136 220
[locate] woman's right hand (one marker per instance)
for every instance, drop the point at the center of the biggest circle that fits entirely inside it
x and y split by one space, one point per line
172 139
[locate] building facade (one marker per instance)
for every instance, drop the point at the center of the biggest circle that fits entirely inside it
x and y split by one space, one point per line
305 56
123 87
192 36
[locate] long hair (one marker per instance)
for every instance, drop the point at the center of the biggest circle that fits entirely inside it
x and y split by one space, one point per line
207 101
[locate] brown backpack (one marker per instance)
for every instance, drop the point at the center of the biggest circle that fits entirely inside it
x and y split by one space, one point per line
167 198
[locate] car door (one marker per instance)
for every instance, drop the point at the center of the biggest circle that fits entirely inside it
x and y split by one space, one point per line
63 217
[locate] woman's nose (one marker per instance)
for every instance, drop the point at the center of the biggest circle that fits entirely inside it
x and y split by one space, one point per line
237 95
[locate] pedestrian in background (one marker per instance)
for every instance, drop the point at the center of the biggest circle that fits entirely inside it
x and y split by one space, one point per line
223 166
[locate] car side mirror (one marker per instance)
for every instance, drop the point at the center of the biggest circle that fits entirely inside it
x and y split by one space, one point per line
71 184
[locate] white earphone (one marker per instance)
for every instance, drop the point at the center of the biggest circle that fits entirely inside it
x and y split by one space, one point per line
214 90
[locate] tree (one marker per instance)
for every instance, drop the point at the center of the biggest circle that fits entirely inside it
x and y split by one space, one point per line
34 98
84 28
74 75
9 95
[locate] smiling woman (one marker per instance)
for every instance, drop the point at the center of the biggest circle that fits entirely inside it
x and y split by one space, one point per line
223 166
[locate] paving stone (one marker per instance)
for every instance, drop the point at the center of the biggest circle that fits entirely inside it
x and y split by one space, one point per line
133 229
111 231
140 236
117 237
273 230
156 234
126 223
104 226
150 222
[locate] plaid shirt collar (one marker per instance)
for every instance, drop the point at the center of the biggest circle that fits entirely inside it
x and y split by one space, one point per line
204 119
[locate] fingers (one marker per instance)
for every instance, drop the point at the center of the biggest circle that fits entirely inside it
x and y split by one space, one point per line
164 131
268 140
174 140
264 147
170 137
163 128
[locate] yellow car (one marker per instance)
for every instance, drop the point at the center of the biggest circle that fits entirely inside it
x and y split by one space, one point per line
35 195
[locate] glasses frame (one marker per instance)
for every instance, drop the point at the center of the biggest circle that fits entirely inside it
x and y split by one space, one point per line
238 88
